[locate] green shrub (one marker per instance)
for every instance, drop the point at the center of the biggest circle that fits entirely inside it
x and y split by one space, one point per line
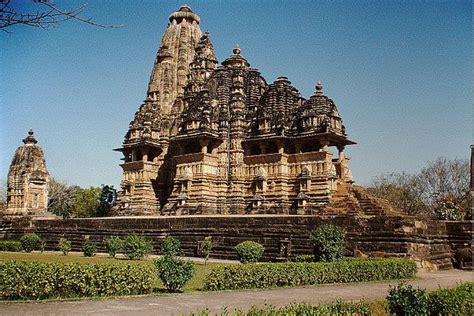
64 246
302 309
171 247
30 242
136 247
328 242
10 245
206 247
303 258
174 272
249 251
264 275
456 301
89 248
113 245
404 299
41 280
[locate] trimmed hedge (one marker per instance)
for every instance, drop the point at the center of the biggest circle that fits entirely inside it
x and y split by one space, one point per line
264 275
455 301
10 245
41 280
303 309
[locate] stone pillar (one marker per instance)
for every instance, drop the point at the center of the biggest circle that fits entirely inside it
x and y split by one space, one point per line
144 155
325 145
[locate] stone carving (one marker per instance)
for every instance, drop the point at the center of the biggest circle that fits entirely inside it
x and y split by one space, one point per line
236 130
27 181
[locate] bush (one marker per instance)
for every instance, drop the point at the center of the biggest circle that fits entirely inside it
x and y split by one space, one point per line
456 301
249 251
206 247
136 247
264 275
404 299
64 246
30 242
41 280
303 258
113 245
171 246
328 242
10 245
336 308
89 248
174 272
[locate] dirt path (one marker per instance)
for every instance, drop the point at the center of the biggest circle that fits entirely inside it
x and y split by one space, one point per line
215 301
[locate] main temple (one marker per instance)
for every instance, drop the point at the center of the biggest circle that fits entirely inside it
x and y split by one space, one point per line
216 138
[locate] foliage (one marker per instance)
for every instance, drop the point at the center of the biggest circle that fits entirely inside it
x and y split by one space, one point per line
30 242
107 198
174 272
136 247
404 299
440 190
206 247
328 242
10 245
304 258
41 280
86 201
89 248
113 245
264 275
171 246
456 301
64 246
72 201
61 198
249 251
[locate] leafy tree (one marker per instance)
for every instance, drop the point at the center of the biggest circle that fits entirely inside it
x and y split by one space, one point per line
86 201
329 242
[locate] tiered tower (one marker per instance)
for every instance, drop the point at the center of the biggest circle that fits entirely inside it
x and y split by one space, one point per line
147 140
217 139
27 182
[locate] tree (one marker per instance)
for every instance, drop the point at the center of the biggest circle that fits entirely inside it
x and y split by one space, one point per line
86 201
42 14
61 198
73 201
440 190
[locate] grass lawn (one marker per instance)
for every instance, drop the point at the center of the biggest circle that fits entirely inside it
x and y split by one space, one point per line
196 283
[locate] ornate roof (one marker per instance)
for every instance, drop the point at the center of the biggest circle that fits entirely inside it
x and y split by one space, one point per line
28 160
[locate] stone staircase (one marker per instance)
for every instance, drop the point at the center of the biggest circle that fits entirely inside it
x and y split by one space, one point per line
355 200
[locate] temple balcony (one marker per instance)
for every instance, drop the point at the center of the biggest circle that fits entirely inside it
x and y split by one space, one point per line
190 165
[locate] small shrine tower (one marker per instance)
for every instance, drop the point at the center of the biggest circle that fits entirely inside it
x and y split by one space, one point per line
28 179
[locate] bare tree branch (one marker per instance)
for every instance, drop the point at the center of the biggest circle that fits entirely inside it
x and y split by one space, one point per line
49 15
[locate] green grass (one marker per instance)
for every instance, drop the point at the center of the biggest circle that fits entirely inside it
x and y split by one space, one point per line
195 284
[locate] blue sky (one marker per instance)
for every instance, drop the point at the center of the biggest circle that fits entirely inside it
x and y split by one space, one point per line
399 71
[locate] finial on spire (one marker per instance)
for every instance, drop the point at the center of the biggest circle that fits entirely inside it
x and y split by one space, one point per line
30 139
319 88
236 50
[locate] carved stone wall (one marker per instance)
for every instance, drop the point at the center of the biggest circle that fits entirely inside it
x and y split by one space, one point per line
429 243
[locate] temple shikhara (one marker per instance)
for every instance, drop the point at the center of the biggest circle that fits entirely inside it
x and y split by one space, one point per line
27 181
216 138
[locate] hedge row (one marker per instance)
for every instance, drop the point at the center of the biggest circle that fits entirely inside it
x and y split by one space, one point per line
337 308
264 275
10 245
40 280
455 301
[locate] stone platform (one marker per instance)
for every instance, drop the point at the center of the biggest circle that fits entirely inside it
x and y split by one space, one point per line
430 243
